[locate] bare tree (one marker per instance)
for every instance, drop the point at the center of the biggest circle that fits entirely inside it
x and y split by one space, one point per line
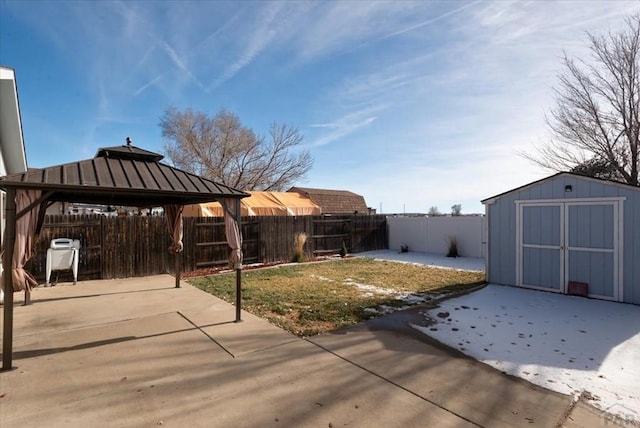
456 209
222 149
595 125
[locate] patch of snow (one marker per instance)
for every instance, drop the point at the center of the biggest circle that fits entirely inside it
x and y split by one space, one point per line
564 343
370 288
414 299
385 309
407 297
475 264
321 278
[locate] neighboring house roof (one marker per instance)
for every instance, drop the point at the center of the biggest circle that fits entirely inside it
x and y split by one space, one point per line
334 201
12 154
569 174
123 176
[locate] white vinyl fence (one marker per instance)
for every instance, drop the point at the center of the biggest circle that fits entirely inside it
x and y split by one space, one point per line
432 234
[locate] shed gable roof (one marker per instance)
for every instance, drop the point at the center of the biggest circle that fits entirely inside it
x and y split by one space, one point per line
560 174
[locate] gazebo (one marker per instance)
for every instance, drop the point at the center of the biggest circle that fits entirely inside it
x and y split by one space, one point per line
121 175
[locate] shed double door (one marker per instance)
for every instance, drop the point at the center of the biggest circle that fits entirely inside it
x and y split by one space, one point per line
561 242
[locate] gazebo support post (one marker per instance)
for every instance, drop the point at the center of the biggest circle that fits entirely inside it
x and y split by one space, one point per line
239 267
177 269
9 243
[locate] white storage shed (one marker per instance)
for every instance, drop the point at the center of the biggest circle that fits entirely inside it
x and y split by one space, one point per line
569 234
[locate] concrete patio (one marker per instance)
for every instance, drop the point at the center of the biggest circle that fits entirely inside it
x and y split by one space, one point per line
139 353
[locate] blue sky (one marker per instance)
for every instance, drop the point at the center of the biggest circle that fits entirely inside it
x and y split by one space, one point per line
411 104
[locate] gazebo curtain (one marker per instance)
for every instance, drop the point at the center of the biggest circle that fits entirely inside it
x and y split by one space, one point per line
173 214
30 223
232 230
27 228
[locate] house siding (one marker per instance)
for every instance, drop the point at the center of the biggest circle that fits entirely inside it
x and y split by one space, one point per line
584 230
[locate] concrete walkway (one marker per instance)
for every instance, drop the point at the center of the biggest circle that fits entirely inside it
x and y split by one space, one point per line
140 353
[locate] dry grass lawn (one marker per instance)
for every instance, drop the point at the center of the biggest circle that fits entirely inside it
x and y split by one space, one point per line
312 298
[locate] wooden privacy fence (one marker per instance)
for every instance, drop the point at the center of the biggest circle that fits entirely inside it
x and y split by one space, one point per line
122 247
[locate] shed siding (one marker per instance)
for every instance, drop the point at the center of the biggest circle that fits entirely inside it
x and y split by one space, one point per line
631 247
585 228
594 268
502 246
541 226
501 242
540 268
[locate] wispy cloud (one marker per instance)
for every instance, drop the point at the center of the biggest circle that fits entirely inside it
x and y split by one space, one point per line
148 84
257 41
334 27
430 20
345 125
180 63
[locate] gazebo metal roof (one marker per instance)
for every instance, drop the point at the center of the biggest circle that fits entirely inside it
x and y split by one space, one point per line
121 175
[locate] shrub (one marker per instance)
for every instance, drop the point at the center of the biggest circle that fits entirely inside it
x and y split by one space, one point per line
298 247
453 247
343 250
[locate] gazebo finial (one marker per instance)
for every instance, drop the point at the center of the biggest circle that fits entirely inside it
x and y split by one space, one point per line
128 141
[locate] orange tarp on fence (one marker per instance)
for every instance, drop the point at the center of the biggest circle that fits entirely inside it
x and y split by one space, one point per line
260 204
297 204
